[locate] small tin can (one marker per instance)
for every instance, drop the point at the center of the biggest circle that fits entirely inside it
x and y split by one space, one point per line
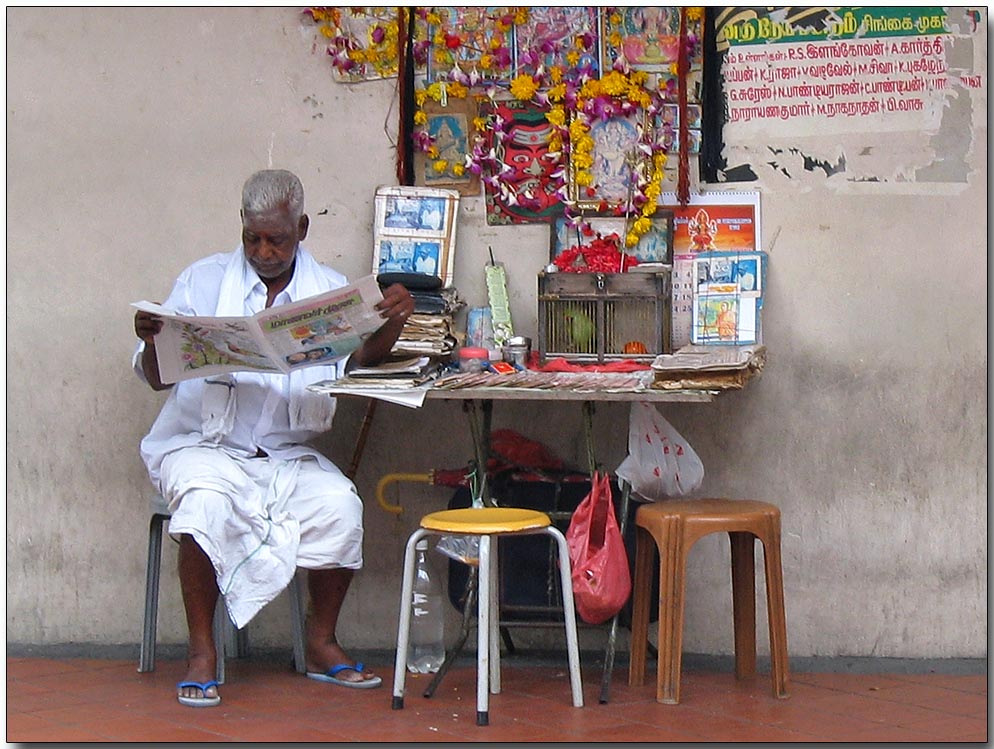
517 350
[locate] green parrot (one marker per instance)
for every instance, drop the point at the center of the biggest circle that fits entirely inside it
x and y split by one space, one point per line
581 329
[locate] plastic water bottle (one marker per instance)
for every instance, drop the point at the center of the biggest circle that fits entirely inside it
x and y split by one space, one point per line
426 648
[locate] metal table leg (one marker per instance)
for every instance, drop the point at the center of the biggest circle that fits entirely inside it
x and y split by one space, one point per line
622 512
613 634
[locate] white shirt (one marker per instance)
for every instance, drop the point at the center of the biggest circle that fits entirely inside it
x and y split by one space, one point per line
262 420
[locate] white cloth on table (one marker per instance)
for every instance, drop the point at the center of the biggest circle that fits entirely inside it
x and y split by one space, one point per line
244 413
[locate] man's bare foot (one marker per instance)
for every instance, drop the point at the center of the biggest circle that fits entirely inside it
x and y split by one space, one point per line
326 655
200 668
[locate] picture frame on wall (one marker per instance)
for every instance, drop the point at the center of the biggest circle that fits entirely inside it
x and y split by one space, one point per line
647 36
479 29
523 153
617 162
551 33
745 271
451 129
414 231
728 221
655 247
730 319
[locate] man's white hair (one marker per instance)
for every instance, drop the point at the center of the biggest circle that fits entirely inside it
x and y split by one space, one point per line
272 188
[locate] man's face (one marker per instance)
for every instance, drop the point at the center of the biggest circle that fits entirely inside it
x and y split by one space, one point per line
270 239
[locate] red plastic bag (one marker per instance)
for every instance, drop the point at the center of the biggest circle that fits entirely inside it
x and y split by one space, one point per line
601 578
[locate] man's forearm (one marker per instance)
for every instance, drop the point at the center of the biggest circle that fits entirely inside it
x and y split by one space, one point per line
377 347
150 366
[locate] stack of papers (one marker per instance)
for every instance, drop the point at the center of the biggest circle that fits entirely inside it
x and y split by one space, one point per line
397 381
392 369
708 367
427 335
397 374
708 358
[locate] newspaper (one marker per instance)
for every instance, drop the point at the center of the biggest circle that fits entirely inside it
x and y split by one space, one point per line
315 330
697 358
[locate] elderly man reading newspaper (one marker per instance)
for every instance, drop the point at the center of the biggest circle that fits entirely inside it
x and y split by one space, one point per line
251 501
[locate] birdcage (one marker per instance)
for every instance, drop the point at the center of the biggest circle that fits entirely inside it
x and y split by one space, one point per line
598 317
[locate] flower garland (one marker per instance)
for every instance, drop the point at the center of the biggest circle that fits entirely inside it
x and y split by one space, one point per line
439 92
452 43
575 103
573 96
575 100
380 56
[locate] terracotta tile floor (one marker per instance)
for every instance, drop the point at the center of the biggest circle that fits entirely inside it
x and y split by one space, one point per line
79 699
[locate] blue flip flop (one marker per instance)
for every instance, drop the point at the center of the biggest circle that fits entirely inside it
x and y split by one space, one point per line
204 701
330 675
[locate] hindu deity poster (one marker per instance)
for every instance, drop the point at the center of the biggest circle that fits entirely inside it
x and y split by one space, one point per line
549 38
526 193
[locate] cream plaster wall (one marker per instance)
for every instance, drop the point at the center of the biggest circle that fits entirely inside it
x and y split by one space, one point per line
129 133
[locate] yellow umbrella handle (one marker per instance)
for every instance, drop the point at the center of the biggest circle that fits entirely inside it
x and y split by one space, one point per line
390 478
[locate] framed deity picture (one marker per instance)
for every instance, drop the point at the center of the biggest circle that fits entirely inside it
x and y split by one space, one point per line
654 248
647 36
550 34
725 318
726 221
415 231
451 129
477 29
526 192
354 29
617 162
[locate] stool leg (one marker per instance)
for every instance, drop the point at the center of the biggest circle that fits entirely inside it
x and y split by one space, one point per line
569 615
222 624
240 641
297 622
641 591
404 623
744 602
776 612
672 575
493 637
146 657
483 636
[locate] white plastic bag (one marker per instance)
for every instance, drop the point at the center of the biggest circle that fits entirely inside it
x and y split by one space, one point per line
465 549
660 462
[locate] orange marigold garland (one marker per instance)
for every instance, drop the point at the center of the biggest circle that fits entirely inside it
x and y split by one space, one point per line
573 94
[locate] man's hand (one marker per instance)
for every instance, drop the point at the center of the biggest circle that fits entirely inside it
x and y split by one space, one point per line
147 326
397 303
396 306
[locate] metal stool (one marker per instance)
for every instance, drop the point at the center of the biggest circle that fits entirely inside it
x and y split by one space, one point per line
675 526
226 637
488 524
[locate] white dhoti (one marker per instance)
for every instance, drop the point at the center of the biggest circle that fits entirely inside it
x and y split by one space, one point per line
258 519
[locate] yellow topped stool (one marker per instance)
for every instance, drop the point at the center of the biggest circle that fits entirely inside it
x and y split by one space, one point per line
487 524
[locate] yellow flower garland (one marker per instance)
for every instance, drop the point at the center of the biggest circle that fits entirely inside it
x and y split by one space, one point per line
628 86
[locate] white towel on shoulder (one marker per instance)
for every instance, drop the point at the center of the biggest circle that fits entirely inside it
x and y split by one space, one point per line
308 410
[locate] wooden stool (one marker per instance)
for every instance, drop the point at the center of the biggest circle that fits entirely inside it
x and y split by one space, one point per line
487 524
675 526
